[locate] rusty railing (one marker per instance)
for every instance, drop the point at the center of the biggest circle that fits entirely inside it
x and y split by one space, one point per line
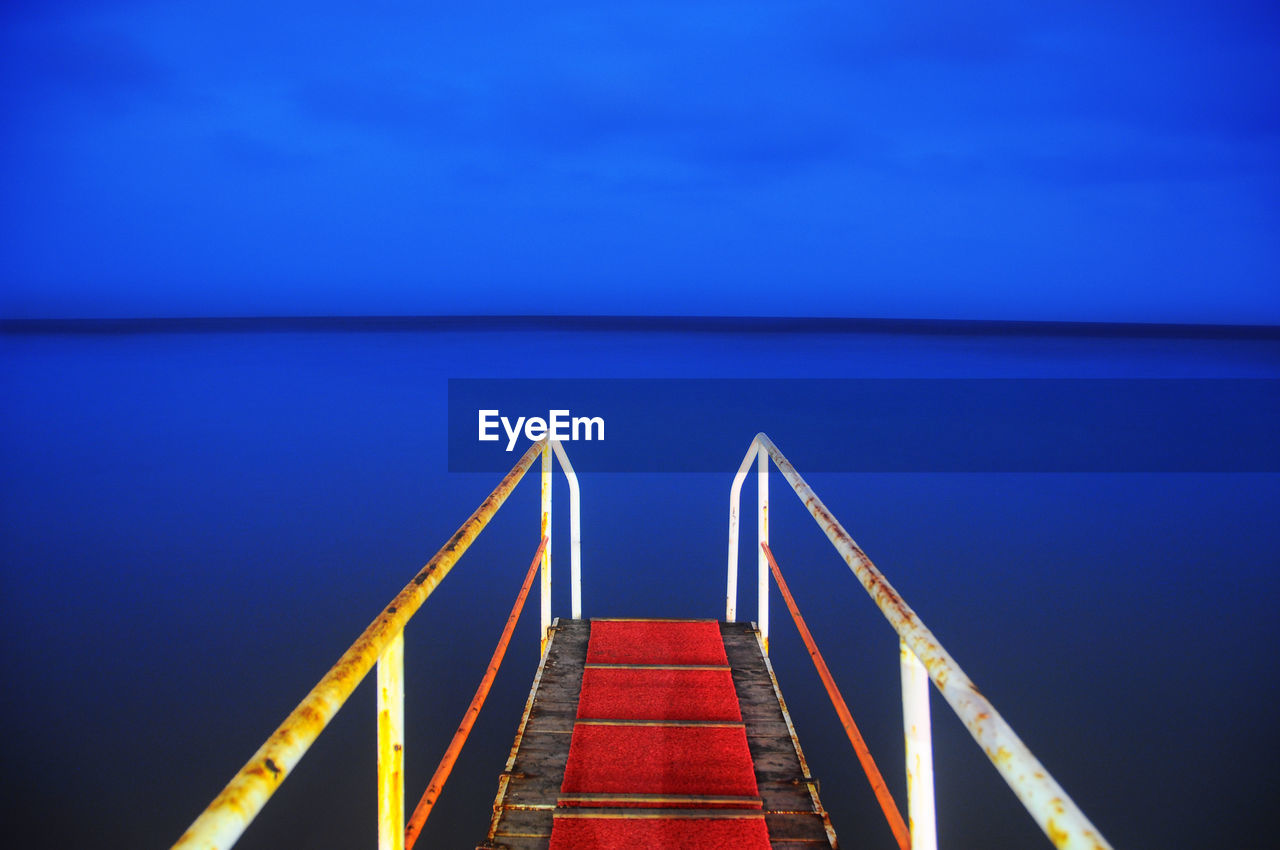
922 658
382 643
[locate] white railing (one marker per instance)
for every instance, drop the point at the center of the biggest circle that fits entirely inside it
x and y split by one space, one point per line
922 659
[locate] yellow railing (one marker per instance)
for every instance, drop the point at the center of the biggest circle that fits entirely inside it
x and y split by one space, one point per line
230 813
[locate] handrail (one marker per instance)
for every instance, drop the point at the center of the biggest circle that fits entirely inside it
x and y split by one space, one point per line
423 810
575 534
575 538
762 525
1054 811
869 767
222 823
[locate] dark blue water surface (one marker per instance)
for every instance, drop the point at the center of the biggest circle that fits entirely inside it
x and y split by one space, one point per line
197 524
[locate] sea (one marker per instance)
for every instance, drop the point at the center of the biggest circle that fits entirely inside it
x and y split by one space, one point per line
198 517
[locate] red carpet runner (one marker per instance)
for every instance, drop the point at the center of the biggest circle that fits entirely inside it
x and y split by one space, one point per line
659 755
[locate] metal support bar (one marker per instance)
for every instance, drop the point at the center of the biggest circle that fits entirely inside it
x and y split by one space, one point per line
436 785
1062 821
575 530
545 618
918 733
762 531
735 494
878 786
218 827
391 745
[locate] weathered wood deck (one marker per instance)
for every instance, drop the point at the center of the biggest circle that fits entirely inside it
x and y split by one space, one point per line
529 788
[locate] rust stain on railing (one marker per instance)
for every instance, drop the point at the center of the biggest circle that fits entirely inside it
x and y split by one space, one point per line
1046 801
235 807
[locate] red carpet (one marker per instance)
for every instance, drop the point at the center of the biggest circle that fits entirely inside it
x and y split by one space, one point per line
668 694
651 735
646 642
667 833
667 760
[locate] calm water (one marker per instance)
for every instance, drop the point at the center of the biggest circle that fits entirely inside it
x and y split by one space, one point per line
197 524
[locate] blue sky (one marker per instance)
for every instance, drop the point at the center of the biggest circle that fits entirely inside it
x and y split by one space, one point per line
1093 161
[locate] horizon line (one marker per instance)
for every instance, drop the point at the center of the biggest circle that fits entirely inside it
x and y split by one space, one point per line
706 324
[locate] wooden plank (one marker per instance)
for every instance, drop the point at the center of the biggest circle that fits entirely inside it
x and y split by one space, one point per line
526 804
793 828
793 811
524 823
524 807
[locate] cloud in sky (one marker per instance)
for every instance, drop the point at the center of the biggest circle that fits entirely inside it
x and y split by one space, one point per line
1113 161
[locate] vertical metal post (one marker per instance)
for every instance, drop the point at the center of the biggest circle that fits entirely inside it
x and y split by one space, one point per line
735 502
546 552
762 516
919 745
575 531
391 745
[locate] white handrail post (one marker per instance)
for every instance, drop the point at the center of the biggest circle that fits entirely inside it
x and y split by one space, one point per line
546 552
575 530
762 520
391 745
917 731
735 502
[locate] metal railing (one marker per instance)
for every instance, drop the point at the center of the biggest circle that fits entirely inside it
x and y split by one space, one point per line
922 658
382 643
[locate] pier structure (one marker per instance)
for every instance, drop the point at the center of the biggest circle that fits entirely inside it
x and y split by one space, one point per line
652 732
